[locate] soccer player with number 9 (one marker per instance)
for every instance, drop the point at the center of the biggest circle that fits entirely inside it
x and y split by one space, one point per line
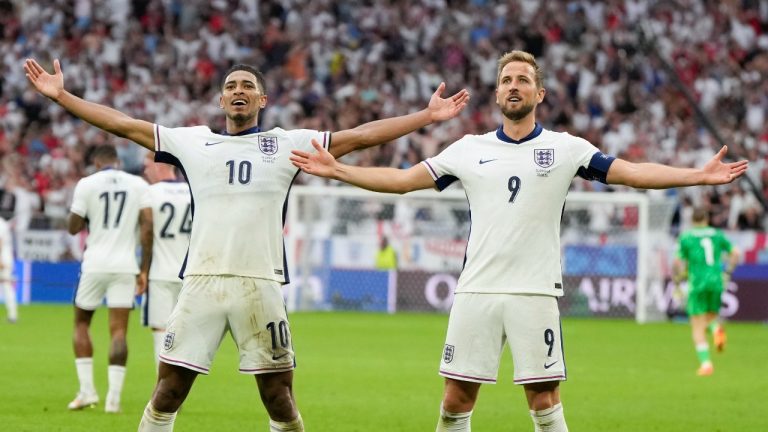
516 179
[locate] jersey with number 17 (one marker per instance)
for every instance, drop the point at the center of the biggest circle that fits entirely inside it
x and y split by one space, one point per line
516 192
239 185
110 200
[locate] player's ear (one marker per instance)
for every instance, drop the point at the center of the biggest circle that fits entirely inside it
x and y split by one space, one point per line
540 93
263 101
221 102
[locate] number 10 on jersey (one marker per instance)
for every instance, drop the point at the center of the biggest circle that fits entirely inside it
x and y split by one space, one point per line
244 169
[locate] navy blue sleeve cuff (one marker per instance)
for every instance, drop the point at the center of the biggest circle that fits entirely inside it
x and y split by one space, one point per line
598 168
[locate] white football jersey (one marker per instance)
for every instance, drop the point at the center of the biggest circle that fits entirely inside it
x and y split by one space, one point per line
110 200
516 192
172 224
6 244
240 188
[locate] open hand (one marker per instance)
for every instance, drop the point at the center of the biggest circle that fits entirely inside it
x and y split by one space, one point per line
321 163
718 172
443 109
45 83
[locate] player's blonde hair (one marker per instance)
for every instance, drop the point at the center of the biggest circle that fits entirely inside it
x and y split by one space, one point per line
520 56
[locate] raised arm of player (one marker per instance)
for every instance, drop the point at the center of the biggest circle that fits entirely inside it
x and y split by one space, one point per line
656 176
392 180
103 117
381 131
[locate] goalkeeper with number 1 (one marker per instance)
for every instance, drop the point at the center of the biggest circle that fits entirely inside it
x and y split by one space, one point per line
698 255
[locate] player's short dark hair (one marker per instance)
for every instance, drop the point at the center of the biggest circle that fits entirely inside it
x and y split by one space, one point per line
248 68
700 214
104 153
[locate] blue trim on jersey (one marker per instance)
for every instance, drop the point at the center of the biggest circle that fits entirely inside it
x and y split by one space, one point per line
597 169
562 344
165 157
537 129
445 181
77 287
440 182
248 131
286 273
469 234
145 307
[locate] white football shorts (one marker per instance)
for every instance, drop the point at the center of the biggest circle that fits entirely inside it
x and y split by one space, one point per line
118 288
480 324
159 301
252 309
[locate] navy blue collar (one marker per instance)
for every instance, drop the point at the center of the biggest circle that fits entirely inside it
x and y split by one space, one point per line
107 168
502 136
248 131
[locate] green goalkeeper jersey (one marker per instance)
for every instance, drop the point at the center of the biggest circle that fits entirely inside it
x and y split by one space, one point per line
702 248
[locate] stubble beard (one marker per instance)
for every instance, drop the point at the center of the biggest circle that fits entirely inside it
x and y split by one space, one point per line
519 113
241 119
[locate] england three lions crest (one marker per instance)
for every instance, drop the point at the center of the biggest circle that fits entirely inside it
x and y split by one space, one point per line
448 353
268 145
544 157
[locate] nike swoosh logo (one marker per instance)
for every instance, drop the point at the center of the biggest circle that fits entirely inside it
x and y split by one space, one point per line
486 161
213 143
274 357
547 366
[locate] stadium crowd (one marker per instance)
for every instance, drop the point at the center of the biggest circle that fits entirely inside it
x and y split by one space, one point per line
332 65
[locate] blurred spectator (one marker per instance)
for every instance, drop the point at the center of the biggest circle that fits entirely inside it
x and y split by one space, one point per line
386 257
333 64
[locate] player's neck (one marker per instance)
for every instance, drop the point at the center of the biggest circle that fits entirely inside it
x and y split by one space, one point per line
519 129
234 128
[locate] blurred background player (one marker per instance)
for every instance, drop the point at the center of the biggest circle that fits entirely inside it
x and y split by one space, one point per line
699 253
386 256
171 205
108 204
6 271
235 266
516 178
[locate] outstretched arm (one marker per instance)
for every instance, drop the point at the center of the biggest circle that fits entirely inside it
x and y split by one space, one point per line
390 180
103 117
382 131
656 176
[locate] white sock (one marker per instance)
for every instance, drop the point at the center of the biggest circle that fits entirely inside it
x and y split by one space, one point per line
549 420
84 367
455 422
296 425
158 336
156 421
116 375
10 302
